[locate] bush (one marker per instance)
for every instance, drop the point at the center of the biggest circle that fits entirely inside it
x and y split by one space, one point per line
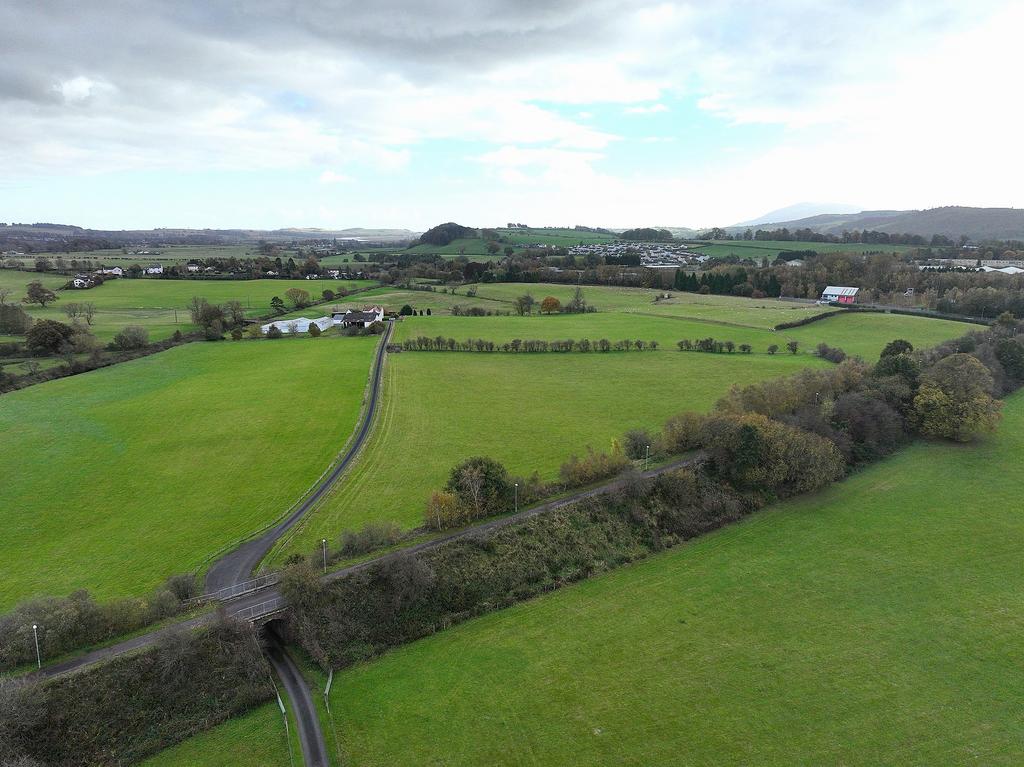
314 330
444 511
372 536
772 348
899 346
121 711
682 432
756 453
77 621
636 442
131 337
236 334
577 472
275 332
830 353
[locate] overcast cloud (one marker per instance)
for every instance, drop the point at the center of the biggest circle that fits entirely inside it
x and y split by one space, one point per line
406 113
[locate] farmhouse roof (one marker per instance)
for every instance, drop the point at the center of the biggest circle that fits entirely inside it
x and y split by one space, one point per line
834 290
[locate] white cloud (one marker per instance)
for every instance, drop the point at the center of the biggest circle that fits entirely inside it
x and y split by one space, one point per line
646 109
332 177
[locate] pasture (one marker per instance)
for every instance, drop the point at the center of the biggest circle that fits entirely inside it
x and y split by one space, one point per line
877 622
256 739
161 306
532 412
857 334
117 478
758 249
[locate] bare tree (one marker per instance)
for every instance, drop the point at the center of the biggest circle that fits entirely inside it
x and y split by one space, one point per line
88 311
5 293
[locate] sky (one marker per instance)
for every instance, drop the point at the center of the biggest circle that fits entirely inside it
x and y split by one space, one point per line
402 113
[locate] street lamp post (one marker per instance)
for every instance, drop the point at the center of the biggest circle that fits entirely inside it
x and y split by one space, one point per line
517 496
39 657
647 456
324 541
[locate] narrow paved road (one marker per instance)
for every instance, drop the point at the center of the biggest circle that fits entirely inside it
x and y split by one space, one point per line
237 565
244 605
307 721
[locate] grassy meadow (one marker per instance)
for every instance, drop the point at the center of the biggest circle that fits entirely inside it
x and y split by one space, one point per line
161 306
758 249
877 622
256 739
117 478
529 411
532 412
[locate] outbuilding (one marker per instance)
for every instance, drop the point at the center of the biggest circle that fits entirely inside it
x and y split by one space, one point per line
838 294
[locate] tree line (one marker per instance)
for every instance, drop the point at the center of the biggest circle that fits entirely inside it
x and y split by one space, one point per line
527 346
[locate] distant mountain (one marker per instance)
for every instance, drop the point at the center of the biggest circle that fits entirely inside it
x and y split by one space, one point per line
799 211
953 221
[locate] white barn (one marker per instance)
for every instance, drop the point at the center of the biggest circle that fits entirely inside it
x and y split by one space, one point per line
297 325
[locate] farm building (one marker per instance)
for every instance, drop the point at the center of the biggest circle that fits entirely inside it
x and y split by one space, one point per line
154 269
297 325
840 295
117 271
360 319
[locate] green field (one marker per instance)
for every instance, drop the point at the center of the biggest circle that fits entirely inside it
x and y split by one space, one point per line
115 479
529 411
762 313
758 249
256 739
878 622
440 408
161 306
857 334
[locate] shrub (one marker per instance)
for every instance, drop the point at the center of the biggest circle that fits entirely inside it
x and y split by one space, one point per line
131 337
756 453
830 353
275 332
682 432
314 330
577 472
792 346
444 511
372 536
236 334
899 346
635 443
772 348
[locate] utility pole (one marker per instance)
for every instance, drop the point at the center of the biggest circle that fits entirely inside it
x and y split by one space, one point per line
39 657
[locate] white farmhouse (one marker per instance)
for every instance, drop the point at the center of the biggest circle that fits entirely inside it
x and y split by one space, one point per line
154 269
359 319
117 271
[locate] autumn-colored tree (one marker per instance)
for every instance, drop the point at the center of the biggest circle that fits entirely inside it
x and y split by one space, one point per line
550 305
954 399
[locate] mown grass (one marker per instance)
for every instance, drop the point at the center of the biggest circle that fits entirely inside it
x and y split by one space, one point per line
115 479
877 622
857 334
161 306
256 739
529 411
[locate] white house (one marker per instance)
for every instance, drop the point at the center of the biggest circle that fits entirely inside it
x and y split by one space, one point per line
117 271
359 319
81 282
837 294
297 325
192 267
154 269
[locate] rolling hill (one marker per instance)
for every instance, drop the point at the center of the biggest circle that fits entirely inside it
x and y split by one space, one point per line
952 221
